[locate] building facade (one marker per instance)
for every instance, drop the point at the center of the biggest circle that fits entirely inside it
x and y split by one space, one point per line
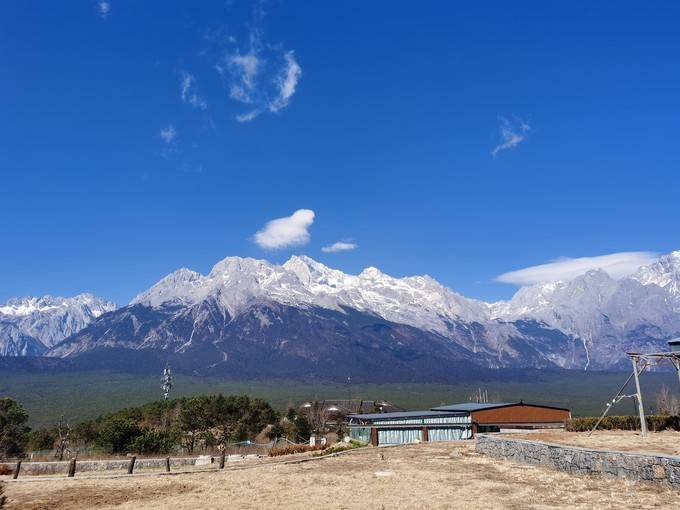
453 422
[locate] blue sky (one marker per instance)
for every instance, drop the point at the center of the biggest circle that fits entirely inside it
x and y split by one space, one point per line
463 140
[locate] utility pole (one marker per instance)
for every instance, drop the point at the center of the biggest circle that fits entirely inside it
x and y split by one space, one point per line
641 409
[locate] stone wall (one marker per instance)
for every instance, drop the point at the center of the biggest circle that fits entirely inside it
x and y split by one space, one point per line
644 467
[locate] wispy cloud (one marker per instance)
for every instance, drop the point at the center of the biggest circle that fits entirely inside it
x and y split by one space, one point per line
104 8
243 70
248 116
286 82
339 246
189 94
168 134
261 75
617 265
291 230
513 132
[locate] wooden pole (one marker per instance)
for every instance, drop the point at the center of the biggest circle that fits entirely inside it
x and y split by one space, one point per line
17 468
641 409
167 464
72 468
131 466
222 460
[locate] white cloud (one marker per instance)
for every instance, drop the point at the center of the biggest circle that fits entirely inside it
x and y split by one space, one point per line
339 246
286 82
248 116
244 69
617 265
104 8
168 134
188 92
512 134
261 75
291 230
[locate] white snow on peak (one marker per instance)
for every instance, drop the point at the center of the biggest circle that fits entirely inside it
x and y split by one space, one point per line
301 281
664 273
21 307
590 306
48 319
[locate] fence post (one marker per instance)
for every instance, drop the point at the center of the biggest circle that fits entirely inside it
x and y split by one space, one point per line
222 460
72 468
131 466
17 468
167 464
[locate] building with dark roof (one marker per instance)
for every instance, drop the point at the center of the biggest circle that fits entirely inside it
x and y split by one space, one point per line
452 422
491 417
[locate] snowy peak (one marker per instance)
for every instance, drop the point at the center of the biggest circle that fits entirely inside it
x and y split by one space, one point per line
237 283
179 285
26 306
28 325
664 273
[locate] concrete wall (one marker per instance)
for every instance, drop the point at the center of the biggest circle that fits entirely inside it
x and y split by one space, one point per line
644 467
85 466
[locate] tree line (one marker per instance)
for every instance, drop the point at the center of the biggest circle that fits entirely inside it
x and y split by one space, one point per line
198 423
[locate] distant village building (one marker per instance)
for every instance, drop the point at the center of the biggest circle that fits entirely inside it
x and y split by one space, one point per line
329 415
451 422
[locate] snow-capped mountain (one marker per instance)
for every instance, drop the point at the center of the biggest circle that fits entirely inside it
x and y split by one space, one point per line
302 311
251 316
609 316
31 325
418 301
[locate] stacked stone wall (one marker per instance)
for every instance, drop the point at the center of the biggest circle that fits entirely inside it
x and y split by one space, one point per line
644 467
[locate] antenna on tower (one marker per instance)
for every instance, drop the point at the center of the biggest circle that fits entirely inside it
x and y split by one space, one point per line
167 382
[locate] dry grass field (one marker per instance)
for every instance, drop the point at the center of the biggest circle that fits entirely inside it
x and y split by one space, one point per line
666 442
434 475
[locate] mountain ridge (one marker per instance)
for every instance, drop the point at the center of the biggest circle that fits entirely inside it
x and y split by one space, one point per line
246 304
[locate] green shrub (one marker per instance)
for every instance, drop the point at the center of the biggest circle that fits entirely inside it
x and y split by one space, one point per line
655 423
153 441
13 429
117 435
41 439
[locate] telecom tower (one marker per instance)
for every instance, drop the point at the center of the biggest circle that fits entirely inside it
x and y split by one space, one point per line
167 382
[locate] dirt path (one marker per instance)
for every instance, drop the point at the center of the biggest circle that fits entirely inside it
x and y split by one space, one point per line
435 475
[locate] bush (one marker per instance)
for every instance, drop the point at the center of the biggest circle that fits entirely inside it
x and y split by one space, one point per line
153 441
13 429
341 447
41 439
296 448
655 423
117 435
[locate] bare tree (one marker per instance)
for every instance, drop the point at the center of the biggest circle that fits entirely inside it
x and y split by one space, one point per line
317 415
667 403
480 396
64 431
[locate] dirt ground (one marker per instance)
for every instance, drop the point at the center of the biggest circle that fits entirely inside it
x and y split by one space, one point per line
666 442
430 475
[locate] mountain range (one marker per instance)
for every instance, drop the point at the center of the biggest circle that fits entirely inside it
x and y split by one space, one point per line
30 326
249 317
